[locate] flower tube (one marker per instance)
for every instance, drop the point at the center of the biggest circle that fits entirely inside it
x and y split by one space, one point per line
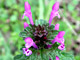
54 12
28 12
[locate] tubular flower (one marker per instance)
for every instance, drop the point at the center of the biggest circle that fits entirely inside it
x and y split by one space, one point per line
59 38
29 43
27 52
28 12
25 25
54 12
57 58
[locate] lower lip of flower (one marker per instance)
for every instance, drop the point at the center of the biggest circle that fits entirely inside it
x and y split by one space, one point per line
27 51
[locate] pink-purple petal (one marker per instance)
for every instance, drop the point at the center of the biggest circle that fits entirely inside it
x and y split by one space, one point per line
57 58
52 15
55 6
55 40
28 52
27 6
56 27
61 34
34 45
62 40
24 50
54 12
31 20
28 12
25 25
61 47
29 42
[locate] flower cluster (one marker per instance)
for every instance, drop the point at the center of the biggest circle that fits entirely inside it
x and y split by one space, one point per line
41 35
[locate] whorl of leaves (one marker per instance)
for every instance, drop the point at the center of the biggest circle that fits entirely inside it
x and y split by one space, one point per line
41 33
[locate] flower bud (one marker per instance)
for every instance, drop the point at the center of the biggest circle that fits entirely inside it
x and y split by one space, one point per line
25 25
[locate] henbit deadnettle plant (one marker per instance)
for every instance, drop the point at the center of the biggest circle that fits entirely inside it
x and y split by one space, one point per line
43 41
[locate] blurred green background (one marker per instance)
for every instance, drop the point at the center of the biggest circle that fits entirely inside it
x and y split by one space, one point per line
11 24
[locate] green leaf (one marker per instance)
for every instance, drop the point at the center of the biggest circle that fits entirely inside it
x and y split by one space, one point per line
21 57
64 55
51 37
33 56
17 57
52 55
43 55
50 43
67 56
52 27
23 34
46 54
52 34
28 29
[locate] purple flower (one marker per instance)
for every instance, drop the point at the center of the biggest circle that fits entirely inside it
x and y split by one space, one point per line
59 38
29 43
61 47
28 12
54 12
27 51
56 27
25 25
55 7
57 58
